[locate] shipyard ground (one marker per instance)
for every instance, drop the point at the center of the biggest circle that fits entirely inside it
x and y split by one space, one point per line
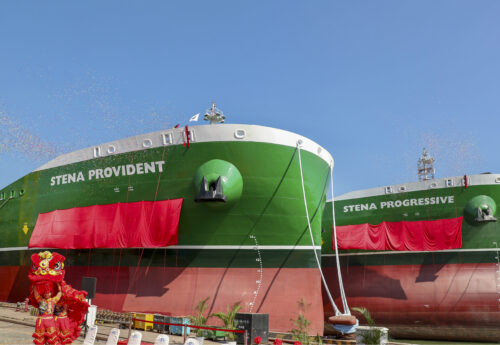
16 328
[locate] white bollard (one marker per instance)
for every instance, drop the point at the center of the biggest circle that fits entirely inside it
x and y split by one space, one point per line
113 337
162 339
91 315
91 334
135 338
192 341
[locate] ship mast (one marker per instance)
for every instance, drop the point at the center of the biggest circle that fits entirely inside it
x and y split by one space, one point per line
214 115
425 165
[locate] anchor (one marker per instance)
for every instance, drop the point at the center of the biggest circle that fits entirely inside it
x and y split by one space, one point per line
210 193
484 214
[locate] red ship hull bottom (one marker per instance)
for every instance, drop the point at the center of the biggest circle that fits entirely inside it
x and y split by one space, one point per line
177 290
442 301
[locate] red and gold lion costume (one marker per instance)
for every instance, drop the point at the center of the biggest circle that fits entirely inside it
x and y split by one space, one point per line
50 293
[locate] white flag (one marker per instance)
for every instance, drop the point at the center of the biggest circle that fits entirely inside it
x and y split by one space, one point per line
194 117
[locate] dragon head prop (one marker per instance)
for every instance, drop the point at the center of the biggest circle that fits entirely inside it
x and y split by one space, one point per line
47 269
47 276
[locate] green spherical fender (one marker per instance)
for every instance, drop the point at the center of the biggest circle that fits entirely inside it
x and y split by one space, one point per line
482 202
231 179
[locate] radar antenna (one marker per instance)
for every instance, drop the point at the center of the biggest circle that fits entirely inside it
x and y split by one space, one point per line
214 115
426 169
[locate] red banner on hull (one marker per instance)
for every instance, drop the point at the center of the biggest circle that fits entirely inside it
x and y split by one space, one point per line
144 224
422 235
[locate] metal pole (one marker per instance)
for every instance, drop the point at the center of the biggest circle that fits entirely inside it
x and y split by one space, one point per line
129 327
89 301
184 331
245 341
85 332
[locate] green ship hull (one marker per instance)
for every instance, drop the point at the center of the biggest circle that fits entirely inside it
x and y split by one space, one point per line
254 247
445 294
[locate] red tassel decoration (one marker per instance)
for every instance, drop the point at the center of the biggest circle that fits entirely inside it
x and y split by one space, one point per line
187 136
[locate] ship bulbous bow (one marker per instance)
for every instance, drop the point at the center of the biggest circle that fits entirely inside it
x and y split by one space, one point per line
481 209
218 182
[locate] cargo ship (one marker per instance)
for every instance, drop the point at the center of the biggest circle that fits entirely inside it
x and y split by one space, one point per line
166 219
422 257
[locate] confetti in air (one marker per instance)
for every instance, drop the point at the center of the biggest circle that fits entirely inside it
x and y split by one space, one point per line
84 111
455 156
14 138
90 110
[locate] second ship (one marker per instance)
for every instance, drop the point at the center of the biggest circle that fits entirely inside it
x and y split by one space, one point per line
422 257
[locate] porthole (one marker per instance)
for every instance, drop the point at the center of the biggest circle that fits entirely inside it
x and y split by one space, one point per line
239 134
388 190
111 149
167 138
21 192
147 143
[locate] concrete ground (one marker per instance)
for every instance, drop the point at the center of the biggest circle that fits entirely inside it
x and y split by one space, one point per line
16 328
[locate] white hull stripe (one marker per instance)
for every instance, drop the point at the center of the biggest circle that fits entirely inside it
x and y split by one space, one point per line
199 134
247 247
419 252
11 249
437 184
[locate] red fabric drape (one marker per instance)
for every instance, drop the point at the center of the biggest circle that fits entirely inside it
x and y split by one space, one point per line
145 224
422 235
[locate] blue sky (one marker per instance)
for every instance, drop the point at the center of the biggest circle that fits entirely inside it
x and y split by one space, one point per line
372 81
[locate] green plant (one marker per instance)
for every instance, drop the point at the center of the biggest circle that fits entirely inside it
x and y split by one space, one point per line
301 332
374 335
200 319
228 318
319 339
301 323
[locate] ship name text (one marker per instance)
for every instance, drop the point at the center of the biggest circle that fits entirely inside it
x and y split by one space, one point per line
449 199
107 172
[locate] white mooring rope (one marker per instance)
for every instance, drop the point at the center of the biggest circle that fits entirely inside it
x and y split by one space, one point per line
342 293
339 274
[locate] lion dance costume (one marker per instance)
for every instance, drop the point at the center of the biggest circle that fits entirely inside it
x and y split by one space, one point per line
61 309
